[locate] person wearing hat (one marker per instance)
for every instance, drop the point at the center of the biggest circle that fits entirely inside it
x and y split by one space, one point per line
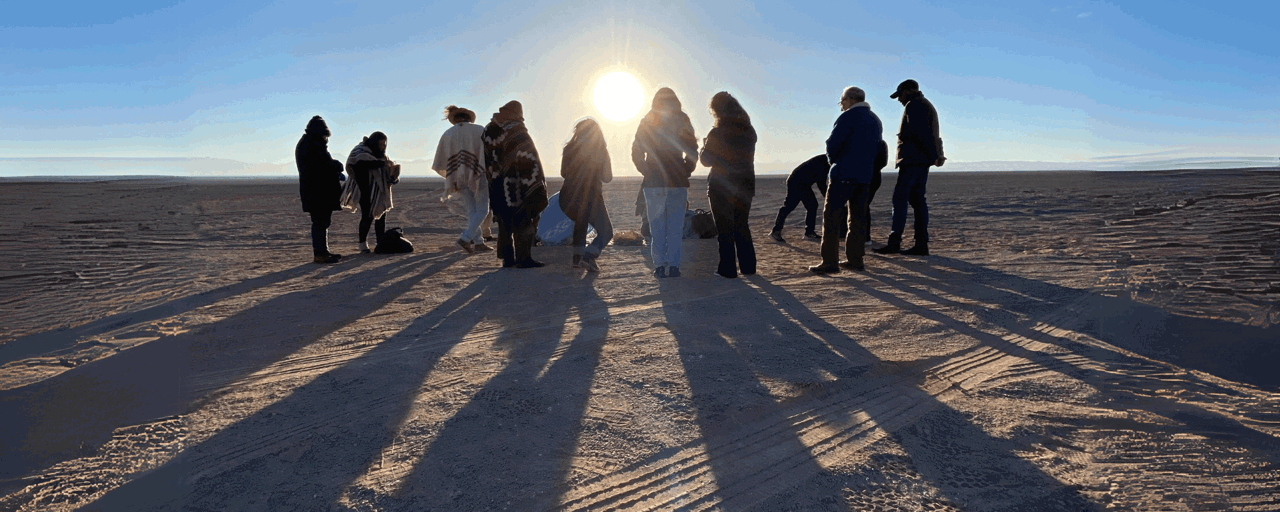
517 185
458 160
320 185
919 147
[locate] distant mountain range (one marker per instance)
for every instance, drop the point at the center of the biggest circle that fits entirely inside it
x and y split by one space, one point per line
227 168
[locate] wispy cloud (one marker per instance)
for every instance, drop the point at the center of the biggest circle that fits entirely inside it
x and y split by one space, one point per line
1085 14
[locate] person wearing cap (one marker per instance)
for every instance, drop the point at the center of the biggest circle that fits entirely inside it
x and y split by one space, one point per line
320 185
919 147
458 160
855 144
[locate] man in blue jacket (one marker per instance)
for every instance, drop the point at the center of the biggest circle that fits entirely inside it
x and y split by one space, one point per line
919 146
852 148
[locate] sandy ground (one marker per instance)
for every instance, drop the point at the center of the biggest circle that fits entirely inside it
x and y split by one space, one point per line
1078 341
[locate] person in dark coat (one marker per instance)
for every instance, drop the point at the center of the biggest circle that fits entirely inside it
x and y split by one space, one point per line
320 185
730 151
855 143
517 185
665 151
800 190
919 147
585 167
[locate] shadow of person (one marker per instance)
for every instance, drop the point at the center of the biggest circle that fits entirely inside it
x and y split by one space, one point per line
73 413
302 451
963 462
512 444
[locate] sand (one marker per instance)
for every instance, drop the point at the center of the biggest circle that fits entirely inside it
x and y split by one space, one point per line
1078 341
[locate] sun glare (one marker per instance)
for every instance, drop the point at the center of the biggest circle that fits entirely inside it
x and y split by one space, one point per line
618 96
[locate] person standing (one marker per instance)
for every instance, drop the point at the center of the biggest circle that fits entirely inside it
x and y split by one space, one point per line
852 148
919 147
730 151
458 159
800 190
665 151
320 185
374 174
517 186
585 166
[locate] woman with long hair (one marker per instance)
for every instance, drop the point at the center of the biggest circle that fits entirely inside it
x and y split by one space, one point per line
665 152
374 174
585 167
730 152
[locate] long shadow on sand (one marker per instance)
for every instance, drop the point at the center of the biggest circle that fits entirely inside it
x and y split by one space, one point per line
511 443
72 414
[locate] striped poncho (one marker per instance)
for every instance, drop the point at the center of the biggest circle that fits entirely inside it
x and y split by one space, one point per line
458 159
381 178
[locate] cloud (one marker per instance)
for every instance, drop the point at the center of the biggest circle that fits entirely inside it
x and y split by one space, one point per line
1085 14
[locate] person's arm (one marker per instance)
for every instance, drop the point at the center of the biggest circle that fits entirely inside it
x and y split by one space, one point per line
882 155
839 134
606 174
711 147
922 123
690 143
638 147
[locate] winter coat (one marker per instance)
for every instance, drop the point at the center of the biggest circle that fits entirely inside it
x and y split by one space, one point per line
918 140
381 176
730 152
854 143
459 159
665 151
517 183
812 172
319 175
582 191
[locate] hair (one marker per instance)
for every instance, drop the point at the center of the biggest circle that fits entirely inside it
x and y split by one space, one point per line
317 126
375 137
456 114
724 107
854 93
664 101
587 141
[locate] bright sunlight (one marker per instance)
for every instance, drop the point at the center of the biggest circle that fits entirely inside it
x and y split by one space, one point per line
618 96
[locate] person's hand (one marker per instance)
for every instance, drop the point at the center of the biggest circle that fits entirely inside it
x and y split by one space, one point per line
342 177
939 161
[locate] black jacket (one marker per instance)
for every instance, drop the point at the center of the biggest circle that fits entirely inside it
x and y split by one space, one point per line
665 150
812 172
319 175
730 152
918 140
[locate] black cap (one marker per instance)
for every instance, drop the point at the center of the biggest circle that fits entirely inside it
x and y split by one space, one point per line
906 85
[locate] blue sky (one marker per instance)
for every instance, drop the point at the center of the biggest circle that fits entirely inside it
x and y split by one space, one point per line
1069 82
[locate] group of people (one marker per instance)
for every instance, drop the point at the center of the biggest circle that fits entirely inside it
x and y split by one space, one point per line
496 172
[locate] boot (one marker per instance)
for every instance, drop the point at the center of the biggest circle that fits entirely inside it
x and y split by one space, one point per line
577 261
589 262
776 235
919 249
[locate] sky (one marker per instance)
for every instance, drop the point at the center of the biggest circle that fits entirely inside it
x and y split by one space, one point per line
231 85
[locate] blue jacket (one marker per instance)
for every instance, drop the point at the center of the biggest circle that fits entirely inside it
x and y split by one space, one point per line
854 144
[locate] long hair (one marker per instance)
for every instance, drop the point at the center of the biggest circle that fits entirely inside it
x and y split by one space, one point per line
586 145
725 108
664 101
371 143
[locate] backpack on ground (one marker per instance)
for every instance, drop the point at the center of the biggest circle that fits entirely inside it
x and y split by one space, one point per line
393 242
701 223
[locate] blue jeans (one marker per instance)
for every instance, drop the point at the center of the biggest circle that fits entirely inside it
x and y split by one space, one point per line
665 208
910 190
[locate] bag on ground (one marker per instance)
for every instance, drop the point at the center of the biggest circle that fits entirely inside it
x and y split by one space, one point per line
393 242
699 224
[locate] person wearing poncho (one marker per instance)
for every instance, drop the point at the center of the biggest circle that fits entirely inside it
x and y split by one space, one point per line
370 189
459 160
517 185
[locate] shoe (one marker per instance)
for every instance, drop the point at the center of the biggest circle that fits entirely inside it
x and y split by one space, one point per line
825 269
776 235
490 238
660 272
727 275
530 263
577 261
508 262
813 236
467 246
589 262
326 258
364 248
673 271
888 249
481 246
918 250
850 265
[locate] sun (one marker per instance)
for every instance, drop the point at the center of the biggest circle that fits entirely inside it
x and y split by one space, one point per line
618 96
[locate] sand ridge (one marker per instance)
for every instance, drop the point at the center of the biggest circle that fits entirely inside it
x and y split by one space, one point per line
1079 341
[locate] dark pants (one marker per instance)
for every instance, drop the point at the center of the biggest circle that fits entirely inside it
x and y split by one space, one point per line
796 195
516 231
876 179
596 216
364 181
910 190
736 250
320 222
850 196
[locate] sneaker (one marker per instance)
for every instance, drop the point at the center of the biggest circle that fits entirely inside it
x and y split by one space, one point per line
851 265
577 261
364 248
530 263
660 272
825 269
589 262
481 246
326 258
467 246
673 271
776 235
918 250
490 238
813 236
888 249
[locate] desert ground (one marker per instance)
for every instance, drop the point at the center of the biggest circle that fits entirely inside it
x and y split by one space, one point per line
1077 341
